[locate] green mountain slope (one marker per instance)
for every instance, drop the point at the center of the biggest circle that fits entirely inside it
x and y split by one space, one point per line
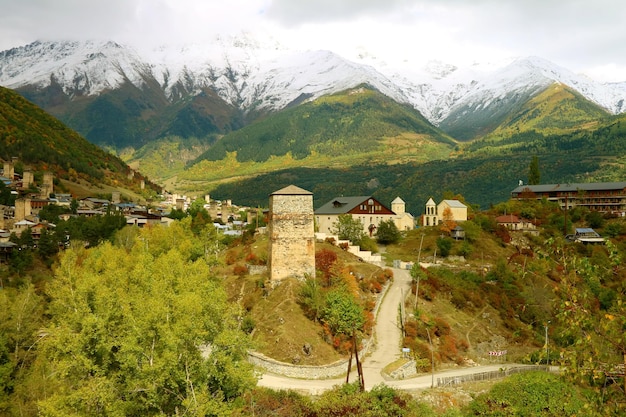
555 109
483 176
44 143
360 123
130 117
558 110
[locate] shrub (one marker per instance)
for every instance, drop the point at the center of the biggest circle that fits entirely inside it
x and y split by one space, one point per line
444 245
530 394
410 329
240 270
324 261
387 233
252 259
265 402
367 243
248 324
442 328
447 347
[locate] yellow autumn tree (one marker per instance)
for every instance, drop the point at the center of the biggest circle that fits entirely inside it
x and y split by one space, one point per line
448 223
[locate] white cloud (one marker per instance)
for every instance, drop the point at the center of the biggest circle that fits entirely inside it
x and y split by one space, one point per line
581 35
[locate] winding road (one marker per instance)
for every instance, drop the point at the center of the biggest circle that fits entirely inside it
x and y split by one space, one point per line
386 350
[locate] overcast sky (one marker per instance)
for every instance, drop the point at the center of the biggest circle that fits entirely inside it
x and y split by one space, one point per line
586 36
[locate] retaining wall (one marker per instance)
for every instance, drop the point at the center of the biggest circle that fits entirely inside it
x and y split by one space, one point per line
332 370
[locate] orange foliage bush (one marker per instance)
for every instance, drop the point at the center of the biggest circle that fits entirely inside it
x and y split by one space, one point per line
240 270
325 259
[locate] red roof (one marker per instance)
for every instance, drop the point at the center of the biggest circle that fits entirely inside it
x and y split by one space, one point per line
507 218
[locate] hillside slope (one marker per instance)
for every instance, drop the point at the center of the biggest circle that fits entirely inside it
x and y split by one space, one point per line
355 122
557 109
44 143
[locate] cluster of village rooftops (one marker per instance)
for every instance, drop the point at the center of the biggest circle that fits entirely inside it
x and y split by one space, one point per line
602 197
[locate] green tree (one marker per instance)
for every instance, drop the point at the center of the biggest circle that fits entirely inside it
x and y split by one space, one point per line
534 175
342 313
387 232
348 228
200 216
51 212
145 331
21 316
595 220
592 322
530 394
6 198
311 297
74 206
48 244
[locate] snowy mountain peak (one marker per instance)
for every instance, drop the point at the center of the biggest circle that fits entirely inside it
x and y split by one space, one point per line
252 73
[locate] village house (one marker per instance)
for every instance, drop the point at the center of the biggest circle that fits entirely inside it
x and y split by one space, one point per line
435 214
94 203
368 210
514 223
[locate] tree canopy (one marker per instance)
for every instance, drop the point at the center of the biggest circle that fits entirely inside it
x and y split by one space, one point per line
140 330
348 228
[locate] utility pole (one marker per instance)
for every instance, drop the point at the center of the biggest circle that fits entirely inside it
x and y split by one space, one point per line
419 255
547 348
432 360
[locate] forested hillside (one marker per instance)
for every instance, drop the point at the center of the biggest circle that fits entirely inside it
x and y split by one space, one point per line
359 122
42 142
485 171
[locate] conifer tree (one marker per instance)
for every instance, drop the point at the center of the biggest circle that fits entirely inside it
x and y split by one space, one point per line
534 175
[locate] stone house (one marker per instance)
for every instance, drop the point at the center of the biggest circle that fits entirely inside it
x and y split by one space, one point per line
515 223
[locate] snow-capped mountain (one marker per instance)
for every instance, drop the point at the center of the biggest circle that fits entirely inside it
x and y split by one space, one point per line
243 74
252 76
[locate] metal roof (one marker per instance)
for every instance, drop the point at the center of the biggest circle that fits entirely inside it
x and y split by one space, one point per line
342 205
454 203
569 187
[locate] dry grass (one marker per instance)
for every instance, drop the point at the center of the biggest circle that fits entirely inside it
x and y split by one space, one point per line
281 327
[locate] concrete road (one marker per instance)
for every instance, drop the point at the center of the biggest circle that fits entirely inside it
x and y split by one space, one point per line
387 332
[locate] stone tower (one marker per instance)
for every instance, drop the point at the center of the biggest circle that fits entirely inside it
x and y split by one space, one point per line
430 216
27 178
22 209
47 187
9 170
292 234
